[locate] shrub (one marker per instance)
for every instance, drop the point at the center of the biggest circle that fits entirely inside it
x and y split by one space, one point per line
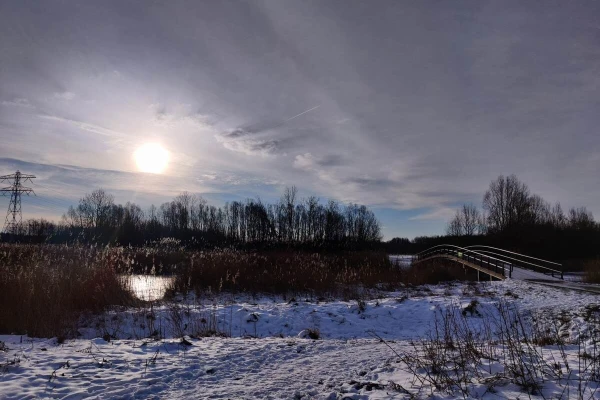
592 271
457 358
44 289
313 333
433 272
286 272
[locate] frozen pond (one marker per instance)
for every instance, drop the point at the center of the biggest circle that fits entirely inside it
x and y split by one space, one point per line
402 260
148 287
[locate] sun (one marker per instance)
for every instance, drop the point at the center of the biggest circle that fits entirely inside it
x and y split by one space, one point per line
151 158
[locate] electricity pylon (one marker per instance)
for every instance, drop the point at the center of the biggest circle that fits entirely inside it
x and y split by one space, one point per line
14 216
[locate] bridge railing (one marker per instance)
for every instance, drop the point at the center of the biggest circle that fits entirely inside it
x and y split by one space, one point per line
486 261
523 261
495 259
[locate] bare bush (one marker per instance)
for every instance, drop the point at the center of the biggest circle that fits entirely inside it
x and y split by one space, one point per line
467 221
286 272
458 357
432 272
44 289
592 271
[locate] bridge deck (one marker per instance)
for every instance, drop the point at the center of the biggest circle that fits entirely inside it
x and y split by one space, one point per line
465 263
502 264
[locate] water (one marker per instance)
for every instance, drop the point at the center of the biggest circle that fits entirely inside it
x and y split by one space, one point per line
148 287
402 260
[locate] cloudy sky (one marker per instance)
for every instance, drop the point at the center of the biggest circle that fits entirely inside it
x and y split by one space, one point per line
409 107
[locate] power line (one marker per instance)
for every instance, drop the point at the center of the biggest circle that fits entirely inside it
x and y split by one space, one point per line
47 188
42 202
14 216
61 202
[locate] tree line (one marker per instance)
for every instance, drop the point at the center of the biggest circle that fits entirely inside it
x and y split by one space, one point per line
514 218
189 218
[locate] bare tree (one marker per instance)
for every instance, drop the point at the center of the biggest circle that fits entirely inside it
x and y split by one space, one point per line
73 218
471 219
455 226
539 211
507 203
557 216
288 221
184 204
288 206
467 221
581 218
95 208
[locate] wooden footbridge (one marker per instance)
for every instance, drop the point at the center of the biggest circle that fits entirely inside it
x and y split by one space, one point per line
494 262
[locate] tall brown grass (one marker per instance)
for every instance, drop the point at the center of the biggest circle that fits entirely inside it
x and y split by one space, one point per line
287 272
44 289
433 272
592 271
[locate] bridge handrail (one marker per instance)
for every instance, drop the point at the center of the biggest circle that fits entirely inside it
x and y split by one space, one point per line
464 249
439 245
515 253
471 253
479 254
521 261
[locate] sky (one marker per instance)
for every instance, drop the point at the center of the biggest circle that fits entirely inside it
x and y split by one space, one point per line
411 108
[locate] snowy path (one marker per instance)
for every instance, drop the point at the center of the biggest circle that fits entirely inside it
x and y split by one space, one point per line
211 368
524 274
270 367
554 282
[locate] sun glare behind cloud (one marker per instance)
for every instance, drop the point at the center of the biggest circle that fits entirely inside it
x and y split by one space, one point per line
151 158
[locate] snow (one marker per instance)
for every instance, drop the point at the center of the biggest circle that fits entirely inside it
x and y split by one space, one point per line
524 274
269 354
209 368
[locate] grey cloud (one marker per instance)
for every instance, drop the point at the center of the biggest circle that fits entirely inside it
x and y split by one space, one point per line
18 102
253 129
261 135
332 160
86 126
372 182
63 185
180 114
415 105
236 133
250 146
253 139
64 96
308 161
438 213
160 111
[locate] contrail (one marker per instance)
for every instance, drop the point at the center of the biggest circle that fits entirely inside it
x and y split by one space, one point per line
302 113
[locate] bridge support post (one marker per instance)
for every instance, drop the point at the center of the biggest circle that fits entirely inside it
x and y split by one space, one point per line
477 275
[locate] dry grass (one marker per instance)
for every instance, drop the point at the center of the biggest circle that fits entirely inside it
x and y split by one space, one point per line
44 289
459 358
592 271
287 272
433 272
283 272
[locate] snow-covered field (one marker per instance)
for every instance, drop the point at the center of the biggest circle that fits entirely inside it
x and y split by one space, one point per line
138 353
